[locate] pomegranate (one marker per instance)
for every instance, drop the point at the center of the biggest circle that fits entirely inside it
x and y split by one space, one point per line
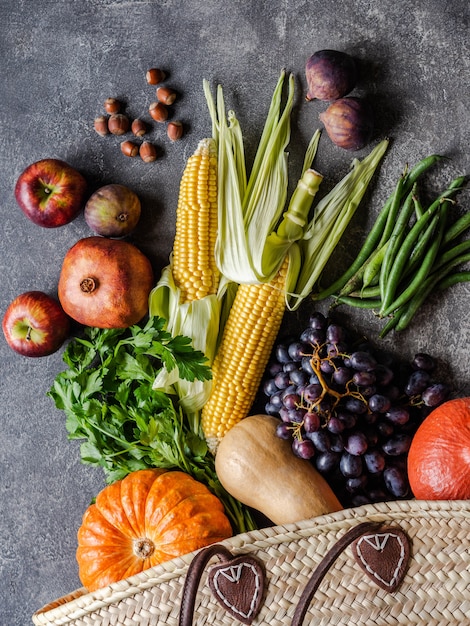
105 283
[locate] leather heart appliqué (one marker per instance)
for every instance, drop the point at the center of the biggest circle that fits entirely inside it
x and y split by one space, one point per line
384 556
238 585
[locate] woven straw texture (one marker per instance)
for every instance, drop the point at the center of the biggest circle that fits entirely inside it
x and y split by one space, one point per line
435 590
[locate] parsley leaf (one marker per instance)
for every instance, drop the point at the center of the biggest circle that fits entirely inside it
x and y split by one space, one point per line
124 424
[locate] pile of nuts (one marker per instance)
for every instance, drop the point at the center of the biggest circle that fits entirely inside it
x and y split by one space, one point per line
115 122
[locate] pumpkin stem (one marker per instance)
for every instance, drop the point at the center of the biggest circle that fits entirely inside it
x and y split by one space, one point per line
143 547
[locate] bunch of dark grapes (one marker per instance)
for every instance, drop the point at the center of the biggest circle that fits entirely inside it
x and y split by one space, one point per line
350 409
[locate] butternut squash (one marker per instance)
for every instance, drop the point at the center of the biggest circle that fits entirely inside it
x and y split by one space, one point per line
259 469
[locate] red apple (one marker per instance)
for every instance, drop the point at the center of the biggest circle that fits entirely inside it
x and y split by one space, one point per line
35 324
50 192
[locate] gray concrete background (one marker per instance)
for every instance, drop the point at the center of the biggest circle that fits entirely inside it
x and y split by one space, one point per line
61 59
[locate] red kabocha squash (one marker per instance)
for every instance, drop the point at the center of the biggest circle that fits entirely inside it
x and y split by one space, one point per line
439 456
147 518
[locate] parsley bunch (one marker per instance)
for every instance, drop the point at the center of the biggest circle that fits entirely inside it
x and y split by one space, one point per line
125 424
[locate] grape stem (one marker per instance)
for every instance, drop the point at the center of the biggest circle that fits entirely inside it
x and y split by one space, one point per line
315 362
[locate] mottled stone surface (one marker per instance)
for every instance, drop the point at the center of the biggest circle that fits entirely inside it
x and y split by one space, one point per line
61 59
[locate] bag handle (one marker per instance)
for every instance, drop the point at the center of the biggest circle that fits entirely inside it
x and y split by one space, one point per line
193 578
325 564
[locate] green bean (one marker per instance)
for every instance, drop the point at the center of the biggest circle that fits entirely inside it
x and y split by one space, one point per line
391 324
367 292
421 167
360 303
453 279
396 271
394 209
419 210
425 268
438 280
412 306
457 228
452 253
421 246
354 282
376 231
451 264
455 186
386 220
373 265
396 239
366 274
374 282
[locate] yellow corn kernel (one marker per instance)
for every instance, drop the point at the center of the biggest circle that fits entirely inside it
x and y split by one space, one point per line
249 334
194 268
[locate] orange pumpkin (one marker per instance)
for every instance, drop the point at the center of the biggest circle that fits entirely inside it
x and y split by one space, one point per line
148 517
439 456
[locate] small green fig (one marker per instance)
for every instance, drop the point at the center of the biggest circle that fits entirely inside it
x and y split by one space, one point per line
113 211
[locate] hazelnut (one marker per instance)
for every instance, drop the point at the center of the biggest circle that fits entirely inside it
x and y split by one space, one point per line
101 125
118 124
139 127
129 148
148 152
111 105
155 76
158 111
174 130
166 95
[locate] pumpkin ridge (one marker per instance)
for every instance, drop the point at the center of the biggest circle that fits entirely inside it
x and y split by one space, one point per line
188 508
97 530
216 527
109 504
135 491
164 496
117 566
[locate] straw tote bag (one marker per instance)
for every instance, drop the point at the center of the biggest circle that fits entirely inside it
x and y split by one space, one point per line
401 562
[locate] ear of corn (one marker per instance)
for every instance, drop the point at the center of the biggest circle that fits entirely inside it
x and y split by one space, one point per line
254 321
249 333
188 294
193 264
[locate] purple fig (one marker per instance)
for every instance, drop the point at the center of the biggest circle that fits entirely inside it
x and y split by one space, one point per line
113 211
330 75
349 123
